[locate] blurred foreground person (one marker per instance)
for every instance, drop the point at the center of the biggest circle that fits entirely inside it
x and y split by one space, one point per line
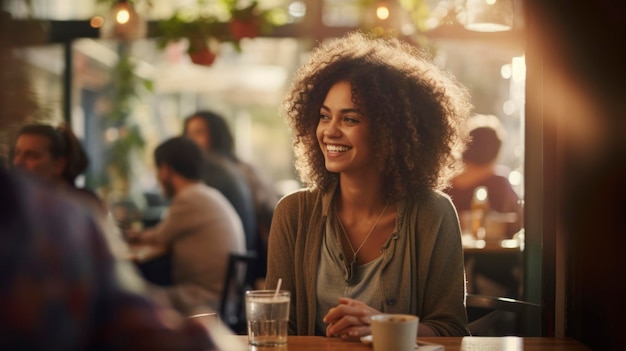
200 229
60 291
375 124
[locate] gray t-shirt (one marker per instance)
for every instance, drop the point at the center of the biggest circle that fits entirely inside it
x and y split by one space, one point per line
332 274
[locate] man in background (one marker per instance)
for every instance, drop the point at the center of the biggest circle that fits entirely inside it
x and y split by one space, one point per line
200 230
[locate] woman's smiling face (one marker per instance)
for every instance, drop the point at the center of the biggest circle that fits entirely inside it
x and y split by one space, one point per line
343 133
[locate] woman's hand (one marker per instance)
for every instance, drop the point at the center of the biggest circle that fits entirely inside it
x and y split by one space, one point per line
349 320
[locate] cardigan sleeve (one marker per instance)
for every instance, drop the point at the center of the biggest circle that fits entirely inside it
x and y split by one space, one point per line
444 294
281 252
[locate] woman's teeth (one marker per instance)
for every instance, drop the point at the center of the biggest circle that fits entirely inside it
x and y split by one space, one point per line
337 148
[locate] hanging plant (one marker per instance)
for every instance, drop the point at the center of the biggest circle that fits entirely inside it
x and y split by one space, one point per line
204 32
121 133
247 22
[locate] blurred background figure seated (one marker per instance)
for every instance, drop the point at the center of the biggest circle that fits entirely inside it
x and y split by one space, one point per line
243 185
198 233
489 209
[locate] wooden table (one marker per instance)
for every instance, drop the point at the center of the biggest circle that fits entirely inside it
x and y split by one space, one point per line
497 246
510 343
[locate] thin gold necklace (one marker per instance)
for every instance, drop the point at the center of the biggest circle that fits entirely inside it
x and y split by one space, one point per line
353 265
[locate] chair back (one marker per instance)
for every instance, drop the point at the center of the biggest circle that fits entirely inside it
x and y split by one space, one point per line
237 280
499 316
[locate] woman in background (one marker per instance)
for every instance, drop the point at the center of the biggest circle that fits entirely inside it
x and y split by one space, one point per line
210 131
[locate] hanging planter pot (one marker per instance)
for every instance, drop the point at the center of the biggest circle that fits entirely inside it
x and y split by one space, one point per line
205 32
201 52
204 57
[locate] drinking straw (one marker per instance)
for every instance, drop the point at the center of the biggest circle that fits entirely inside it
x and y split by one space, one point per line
280 280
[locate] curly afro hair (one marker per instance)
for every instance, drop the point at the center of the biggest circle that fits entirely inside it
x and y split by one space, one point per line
418 109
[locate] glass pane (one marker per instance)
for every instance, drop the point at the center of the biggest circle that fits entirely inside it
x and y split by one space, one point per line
40 75
85 9
495 77
245 87
342 13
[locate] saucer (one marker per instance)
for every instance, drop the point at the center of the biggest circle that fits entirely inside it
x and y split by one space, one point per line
420 345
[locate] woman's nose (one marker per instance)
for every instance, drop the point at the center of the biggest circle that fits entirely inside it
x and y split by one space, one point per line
332 128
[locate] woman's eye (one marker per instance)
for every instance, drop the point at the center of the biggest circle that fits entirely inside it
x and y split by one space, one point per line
350 120
323 116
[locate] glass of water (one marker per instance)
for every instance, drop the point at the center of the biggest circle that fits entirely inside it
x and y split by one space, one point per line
268 316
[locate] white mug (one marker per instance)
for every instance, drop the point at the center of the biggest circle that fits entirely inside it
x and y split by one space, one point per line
396 332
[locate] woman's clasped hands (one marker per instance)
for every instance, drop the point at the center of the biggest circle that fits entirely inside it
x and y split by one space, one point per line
350 320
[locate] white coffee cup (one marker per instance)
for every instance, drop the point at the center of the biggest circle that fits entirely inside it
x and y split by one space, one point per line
396 332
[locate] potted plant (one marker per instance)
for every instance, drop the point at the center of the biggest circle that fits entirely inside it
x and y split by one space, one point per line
204 32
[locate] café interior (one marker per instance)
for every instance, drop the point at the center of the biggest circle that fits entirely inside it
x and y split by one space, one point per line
124 87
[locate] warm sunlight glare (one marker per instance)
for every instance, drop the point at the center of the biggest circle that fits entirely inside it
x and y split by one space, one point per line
96 22
515 178
506 71
481 193
382 12
297 9
122 16
519 68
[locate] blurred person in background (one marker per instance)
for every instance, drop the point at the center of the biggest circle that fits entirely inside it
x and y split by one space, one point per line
55 155
493 275
376 125
221 174
200 229
210 131
481 168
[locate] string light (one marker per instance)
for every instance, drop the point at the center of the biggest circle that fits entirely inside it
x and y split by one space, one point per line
122 23
387 17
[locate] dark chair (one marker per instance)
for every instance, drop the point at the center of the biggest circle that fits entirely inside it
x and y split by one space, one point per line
158 270
238 280
499 316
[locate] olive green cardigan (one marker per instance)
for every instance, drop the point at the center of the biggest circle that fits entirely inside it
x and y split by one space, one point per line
423 270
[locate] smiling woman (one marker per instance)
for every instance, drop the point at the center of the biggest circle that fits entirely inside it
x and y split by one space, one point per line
376 125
